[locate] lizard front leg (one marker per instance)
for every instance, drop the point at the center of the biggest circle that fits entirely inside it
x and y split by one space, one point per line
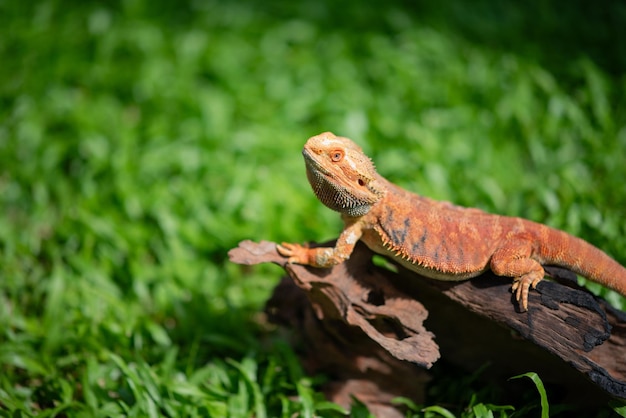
324 256
514 260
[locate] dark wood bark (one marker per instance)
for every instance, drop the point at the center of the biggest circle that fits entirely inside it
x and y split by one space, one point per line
372 329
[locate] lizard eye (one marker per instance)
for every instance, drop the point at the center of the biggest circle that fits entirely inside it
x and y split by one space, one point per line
336 155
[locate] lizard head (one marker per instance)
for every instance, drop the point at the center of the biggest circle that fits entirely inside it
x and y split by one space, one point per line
342 177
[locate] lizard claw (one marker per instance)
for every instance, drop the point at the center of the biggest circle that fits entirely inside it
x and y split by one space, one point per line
521 287
296 253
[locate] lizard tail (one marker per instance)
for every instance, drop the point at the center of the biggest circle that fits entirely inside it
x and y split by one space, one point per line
567 251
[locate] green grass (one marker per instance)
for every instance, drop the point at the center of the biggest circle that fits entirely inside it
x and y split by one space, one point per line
139 141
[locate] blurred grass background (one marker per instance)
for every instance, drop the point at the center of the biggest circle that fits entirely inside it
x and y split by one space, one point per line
139 141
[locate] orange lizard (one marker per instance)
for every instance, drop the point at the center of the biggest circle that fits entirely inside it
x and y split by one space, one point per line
435 239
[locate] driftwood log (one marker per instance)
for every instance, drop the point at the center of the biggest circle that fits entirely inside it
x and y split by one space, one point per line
375 330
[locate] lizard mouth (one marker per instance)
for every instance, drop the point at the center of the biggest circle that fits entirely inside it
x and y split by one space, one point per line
313 164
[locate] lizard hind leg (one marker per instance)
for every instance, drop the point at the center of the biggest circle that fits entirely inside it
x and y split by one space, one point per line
515 262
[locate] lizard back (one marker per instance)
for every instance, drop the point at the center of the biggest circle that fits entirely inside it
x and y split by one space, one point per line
424 235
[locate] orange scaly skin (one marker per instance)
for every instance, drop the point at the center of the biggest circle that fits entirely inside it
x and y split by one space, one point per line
436 239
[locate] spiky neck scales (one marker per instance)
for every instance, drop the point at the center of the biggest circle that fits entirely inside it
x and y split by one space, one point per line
341 175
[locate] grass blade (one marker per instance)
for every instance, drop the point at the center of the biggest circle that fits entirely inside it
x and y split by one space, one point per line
545 407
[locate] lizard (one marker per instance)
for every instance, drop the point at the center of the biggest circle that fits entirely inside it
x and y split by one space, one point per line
436 239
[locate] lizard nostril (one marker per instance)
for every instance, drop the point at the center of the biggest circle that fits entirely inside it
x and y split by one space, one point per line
361 182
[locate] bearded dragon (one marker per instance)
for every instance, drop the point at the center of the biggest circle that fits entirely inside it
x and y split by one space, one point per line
436 239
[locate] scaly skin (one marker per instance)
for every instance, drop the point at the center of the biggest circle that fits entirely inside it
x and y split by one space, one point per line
436 239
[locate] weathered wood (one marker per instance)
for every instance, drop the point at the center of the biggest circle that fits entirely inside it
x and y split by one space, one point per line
353 326
369 318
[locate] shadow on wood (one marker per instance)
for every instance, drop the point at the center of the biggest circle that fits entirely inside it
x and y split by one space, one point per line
372 329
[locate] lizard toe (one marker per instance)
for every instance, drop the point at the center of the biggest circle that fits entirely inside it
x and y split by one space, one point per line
284 249
296 253
522 285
